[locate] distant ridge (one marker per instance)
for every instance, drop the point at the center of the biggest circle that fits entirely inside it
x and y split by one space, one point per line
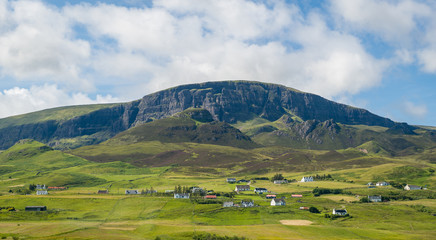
227 101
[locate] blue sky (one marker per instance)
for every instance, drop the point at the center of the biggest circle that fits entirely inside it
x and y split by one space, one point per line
377 55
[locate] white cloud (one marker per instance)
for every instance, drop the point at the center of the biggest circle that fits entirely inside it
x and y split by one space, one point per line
392 20
17 100
36 43
135 51
415 110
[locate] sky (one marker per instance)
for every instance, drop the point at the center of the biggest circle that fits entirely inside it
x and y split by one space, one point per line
374 54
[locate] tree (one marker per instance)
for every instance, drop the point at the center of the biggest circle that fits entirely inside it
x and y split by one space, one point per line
314 210
278 176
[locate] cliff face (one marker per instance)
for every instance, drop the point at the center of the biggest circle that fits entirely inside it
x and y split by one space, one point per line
228 101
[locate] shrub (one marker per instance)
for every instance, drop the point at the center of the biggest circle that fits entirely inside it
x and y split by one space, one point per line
314 210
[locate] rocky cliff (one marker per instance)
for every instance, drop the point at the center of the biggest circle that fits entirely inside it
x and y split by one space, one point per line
227 101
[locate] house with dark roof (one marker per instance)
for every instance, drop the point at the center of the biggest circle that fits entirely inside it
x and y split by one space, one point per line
231 180
379 184
260 190
307 179
102 192
280 181
35 208
247 203
132 192
340 212
181 195
278 202
242 188
375 198
41 192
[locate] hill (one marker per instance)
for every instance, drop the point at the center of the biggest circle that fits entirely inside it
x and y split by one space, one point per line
230 102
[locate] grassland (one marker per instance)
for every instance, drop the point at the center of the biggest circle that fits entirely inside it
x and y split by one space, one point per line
80 213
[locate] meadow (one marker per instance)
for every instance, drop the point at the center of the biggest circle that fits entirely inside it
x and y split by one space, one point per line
80 213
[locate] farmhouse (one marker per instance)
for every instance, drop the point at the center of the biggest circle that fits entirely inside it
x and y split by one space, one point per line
270 196
210 197
375 198
280 181
227 204
181 195
247 203
278 202
35 208
412 187
242 188
340 212
382 184
260 190
41 192
243 181
231 180
103 192
132 192
307 179
41 186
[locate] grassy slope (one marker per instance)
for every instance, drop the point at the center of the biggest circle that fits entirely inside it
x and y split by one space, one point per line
57 114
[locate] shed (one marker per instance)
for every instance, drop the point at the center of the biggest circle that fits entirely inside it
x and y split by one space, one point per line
35 208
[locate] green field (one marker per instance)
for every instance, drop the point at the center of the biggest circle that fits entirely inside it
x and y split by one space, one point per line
80 213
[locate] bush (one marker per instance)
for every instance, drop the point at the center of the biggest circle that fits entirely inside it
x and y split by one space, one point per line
314 210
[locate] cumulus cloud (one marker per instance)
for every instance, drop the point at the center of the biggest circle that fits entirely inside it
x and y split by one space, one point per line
132 51
415 110
17 100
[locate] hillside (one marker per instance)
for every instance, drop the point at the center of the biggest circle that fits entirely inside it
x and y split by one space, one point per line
228 101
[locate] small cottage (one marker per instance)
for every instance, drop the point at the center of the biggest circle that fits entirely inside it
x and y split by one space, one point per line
41 186
41 192
307 179
181 195
280 181
260 190
227 204
132 192
35 208
340 212
210 197
278 202
382 184
412 187
375 198
242 188
247 203
231 180
102 192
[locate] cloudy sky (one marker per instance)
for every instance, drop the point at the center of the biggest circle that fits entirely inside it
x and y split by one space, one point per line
378 55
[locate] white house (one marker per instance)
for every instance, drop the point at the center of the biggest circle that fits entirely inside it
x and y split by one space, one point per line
227 204
246 203
130 191
39 186
41 192
260 190
340 212
278 202
307 179
280 181
412 187
382 184
375 198
231 180
181 195
242 188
